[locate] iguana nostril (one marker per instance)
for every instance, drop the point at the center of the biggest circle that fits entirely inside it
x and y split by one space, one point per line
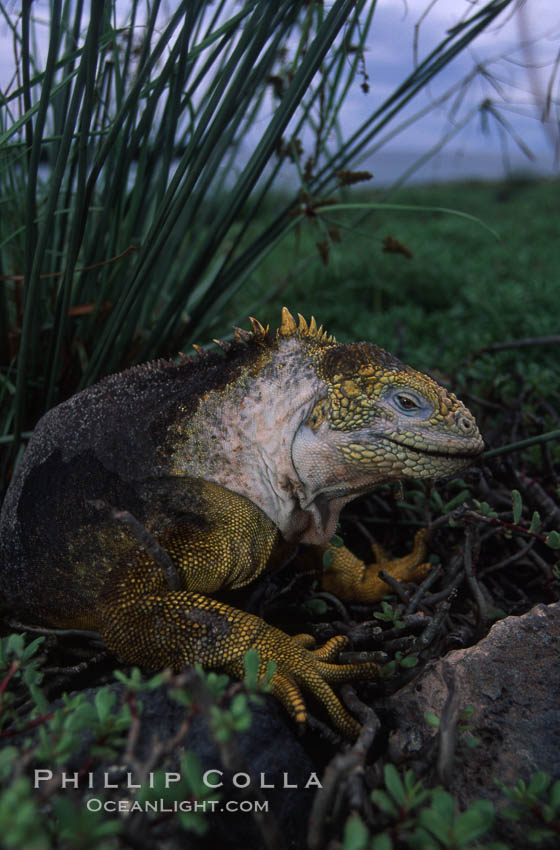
464 422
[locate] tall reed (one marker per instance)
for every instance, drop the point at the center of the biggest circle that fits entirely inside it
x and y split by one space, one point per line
135 157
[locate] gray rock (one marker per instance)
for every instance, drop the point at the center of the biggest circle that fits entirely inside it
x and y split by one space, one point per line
512 679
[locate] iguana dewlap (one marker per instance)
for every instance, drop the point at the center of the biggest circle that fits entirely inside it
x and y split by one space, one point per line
229 459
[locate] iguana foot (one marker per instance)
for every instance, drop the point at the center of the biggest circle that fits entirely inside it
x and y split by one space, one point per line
299 668
351 579
178 628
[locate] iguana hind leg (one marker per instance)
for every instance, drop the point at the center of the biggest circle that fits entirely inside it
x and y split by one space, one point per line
176 628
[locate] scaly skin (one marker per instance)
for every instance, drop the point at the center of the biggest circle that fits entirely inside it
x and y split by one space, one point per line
230 461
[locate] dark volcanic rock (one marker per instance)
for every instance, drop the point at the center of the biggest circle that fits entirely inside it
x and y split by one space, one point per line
272 768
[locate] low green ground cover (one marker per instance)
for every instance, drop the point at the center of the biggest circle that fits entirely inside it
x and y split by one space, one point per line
461 289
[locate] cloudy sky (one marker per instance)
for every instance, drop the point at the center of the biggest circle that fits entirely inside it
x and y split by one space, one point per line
519 53
518 93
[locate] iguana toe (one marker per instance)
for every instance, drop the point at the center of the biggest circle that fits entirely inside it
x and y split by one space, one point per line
300 669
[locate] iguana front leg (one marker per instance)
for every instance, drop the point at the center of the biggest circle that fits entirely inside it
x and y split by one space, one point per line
146 623
351 579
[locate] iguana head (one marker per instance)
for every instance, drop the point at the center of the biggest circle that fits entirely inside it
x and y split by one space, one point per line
375 420
301 424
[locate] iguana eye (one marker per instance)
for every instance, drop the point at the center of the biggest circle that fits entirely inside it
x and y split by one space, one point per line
410 403
406 402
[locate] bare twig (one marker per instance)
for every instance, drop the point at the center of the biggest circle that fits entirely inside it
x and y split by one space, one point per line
522 444
516 343
344 773
43 630
506 562
541 497
433 627
448 728
471 580
146 540
430 579
455 576
375 656
125 253
359 632
395 585
334 601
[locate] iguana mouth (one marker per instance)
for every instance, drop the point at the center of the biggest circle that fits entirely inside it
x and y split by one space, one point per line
450 453
322 499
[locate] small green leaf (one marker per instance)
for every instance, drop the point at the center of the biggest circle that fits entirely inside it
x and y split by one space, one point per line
494 614
547 813
553 540
444 804
412 787
268 673
394 784
243 722
554 796
432 719
384 802
355 834
436 824
409 661
388 670
316 606
535 522
31 648
539 783
328 558
517 503
192 771
510 813
336 541
456 501
251 663
539 834
381 842
193 822
387 613
15 645
215 682
474 823
437 500
485 509
39 699
104 702
8 757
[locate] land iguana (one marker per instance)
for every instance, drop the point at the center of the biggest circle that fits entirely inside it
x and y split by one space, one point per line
229 460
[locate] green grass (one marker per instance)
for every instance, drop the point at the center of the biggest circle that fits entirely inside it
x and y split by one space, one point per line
462 289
